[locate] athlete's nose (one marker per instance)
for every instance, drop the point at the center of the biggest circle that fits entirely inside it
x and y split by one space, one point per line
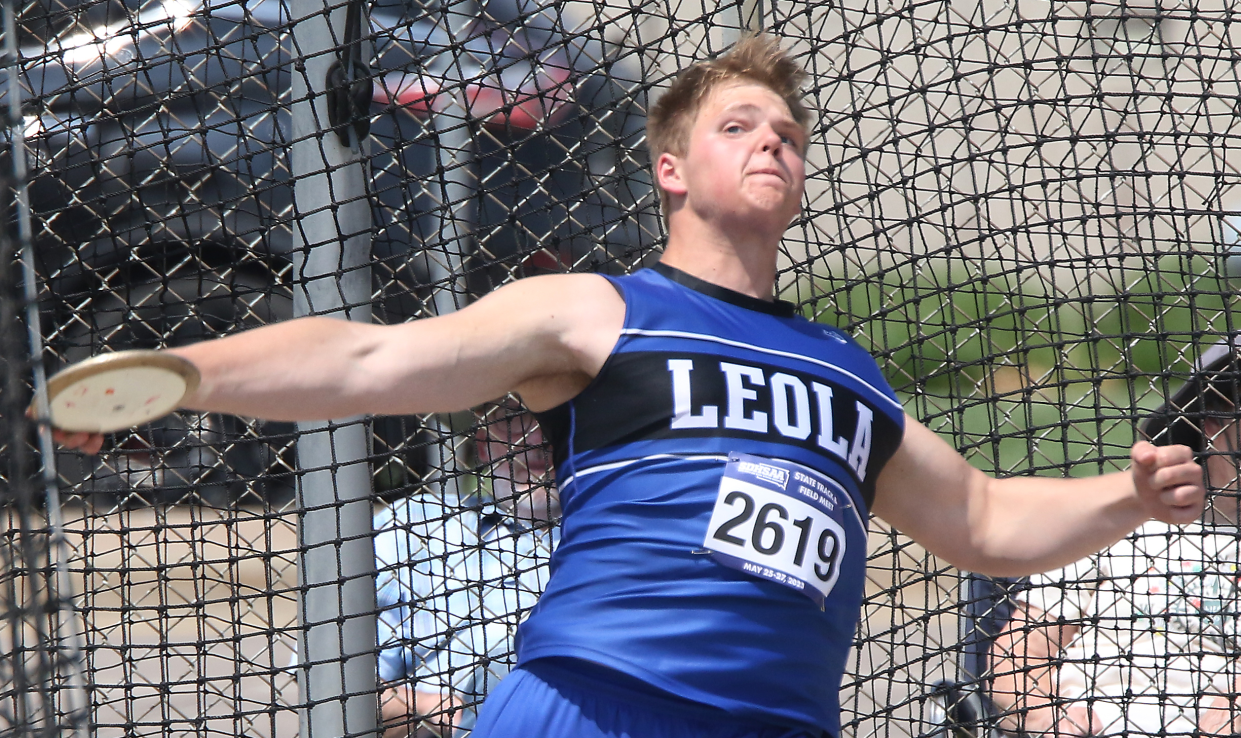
771 139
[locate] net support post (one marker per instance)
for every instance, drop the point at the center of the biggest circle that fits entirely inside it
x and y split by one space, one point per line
66 680
455 158
337 675
751 15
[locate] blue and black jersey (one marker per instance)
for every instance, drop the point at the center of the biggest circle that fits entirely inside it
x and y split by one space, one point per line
715 479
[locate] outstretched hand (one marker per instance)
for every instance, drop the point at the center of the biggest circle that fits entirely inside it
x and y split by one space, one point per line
87 443
1168 482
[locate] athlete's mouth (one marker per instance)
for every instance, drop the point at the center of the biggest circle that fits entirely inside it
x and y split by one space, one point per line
769 170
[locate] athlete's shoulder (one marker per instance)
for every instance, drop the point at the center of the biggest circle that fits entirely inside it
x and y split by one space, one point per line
826 332
562 295
554 287
546 311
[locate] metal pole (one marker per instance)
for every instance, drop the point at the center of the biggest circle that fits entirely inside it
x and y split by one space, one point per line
455 157
69 651
454 149
337 677
751 15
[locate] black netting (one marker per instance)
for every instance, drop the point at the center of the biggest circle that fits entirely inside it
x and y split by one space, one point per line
1024 209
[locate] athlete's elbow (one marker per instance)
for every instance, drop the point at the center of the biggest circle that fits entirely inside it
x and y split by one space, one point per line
983 552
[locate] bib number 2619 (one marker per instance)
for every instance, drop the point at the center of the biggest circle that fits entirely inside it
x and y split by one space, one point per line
767 533
781 522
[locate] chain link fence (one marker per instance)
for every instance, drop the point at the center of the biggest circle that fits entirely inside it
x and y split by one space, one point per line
1022 207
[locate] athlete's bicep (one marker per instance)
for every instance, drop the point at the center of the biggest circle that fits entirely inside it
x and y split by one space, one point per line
526 332
925 491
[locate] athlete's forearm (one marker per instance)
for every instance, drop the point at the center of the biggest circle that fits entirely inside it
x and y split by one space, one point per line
1034 524
305 369
322 368
1026 525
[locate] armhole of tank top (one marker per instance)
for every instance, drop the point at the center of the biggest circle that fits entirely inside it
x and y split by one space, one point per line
607 363
870 490
564 409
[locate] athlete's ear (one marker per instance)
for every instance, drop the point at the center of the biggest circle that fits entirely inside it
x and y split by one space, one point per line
668 174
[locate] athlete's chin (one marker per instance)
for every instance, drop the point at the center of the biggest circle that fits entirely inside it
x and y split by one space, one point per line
771 194
778 211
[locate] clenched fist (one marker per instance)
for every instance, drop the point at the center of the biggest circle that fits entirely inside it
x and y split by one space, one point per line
1168 481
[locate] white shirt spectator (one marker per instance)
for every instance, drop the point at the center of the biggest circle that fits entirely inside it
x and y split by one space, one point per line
454 581
1158 614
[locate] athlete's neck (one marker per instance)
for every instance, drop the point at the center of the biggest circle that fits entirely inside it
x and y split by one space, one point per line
748 268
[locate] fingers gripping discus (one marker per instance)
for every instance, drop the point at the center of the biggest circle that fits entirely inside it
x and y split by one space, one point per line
120 390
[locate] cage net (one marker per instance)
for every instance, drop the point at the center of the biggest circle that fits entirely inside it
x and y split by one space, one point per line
1022 208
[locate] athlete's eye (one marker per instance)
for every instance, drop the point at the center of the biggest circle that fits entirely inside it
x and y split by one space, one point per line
734 128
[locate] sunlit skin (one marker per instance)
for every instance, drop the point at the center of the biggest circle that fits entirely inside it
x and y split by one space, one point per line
736 188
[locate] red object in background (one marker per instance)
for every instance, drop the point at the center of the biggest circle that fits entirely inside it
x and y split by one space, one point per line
544 100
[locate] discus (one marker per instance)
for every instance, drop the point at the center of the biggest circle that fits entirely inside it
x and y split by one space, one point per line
111 392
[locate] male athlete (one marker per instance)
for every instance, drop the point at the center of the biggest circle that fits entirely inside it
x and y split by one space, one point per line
717 456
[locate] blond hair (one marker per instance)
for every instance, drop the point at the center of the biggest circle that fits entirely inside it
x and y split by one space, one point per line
756 58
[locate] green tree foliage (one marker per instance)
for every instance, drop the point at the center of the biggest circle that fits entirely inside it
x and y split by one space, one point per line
929 326
1026 371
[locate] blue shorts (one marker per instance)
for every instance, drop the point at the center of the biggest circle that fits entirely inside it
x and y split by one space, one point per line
537 702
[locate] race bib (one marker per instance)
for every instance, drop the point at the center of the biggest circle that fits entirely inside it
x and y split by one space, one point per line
781 521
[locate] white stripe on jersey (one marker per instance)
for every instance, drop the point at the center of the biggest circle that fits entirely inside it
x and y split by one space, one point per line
621 464
564 484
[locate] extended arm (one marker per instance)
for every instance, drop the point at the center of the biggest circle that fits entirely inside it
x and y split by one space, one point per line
319 368
1024 525
543 337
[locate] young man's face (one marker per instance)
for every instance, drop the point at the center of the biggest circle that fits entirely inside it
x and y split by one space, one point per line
745 159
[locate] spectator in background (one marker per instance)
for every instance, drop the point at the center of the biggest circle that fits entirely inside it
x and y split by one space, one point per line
457 576
1142 638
